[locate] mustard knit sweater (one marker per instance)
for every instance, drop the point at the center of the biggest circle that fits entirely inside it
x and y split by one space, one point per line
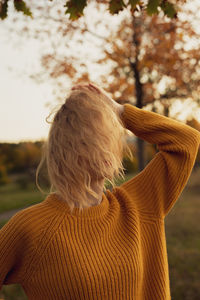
116 250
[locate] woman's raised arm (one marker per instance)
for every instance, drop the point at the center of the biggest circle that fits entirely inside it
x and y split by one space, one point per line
156 189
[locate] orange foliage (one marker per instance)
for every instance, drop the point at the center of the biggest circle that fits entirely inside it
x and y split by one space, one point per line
157 47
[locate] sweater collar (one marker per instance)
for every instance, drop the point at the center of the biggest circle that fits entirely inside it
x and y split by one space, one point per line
90 212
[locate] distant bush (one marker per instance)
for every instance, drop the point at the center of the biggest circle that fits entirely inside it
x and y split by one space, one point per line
3 175
20 157
130 165
23 181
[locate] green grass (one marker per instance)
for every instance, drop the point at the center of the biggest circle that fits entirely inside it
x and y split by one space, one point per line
183 246
2 223
120 181
12 197
183 241
12 292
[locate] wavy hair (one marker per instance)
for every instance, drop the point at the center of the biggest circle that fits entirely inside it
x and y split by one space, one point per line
86 143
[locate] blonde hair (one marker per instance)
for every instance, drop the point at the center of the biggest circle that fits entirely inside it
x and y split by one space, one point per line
86 142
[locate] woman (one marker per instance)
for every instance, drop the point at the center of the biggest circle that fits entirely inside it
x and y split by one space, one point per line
82 243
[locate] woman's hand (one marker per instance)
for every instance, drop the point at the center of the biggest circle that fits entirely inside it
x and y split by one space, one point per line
118 108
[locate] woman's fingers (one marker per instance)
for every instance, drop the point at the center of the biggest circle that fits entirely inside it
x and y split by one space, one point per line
80 86
94 88
90 86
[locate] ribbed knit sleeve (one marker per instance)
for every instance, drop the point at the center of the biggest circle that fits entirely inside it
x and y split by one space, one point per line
23 240
156 189
12 246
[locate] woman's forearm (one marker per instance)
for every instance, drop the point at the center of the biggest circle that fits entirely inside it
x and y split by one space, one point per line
167 133
163 179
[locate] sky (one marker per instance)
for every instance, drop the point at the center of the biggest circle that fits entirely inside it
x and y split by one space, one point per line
23 101
23 110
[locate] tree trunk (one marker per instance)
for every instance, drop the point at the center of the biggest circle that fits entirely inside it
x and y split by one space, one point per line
139 93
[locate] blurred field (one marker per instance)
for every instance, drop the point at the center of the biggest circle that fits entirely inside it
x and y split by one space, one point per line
183 245
182 234
13 197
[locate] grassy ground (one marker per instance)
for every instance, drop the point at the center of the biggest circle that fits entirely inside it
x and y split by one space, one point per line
183 244
182 233
2 223
13 197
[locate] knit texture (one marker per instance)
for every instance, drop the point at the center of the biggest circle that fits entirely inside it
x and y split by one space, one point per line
116 250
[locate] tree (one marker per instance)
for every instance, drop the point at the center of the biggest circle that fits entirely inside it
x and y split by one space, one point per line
146 52
142 53
196 125
75 7
152 51
21 157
